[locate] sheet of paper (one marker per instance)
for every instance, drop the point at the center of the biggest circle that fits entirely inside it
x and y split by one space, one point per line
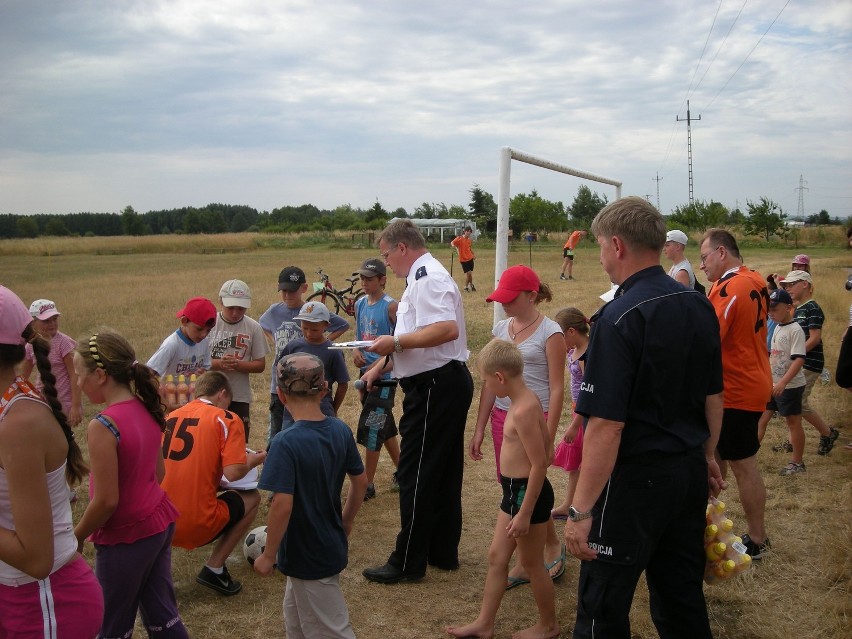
355 344
249 482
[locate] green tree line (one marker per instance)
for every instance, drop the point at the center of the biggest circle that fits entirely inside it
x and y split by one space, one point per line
528 212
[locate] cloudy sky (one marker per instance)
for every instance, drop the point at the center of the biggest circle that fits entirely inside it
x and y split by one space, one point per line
162 104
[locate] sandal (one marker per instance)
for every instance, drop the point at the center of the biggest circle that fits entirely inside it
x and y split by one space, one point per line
560 560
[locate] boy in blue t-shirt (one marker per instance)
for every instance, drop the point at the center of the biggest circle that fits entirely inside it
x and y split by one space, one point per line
314 318
307 531
280 325
375 315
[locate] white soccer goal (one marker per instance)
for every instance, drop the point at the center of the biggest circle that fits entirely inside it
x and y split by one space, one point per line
507 154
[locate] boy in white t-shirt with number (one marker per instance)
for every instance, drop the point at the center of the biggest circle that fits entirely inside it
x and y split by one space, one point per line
238 346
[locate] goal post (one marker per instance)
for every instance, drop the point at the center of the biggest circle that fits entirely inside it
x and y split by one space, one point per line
507 154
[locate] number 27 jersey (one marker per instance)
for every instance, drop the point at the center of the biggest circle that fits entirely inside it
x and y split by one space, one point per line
741 302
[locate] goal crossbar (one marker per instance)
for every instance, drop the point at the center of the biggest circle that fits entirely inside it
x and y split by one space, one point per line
507 154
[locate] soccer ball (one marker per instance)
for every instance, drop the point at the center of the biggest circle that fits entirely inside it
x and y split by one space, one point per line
255 544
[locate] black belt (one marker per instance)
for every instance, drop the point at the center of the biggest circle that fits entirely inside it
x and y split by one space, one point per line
420 378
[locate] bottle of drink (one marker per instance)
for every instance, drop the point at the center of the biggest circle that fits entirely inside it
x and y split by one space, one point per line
742 562
825 376
715 551
170 391
182 390
724 569
192 379
710 533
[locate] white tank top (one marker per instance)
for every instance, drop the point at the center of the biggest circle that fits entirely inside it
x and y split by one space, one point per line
64 541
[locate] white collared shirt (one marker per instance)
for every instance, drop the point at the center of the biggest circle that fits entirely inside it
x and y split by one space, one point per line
431 296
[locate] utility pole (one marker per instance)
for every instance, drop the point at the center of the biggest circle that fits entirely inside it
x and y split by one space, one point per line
689 120
802 188
657 180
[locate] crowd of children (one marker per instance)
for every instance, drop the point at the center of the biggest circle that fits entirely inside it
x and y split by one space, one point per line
154 424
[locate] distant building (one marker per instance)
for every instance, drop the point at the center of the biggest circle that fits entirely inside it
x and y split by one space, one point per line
442 227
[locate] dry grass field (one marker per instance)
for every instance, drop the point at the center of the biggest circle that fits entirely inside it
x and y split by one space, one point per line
801 590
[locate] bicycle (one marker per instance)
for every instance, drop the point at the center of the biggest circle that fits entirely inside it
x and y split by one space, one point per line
336 299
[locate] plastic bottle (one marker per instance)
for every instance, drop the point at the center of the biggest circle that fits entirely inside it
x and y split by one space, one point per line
715 551
182 390
742 562
825 376
192 379
170 390
724 569
710 533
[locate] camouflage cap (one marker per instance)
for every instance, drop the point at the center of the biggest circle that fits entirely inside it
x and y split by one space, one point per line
300 374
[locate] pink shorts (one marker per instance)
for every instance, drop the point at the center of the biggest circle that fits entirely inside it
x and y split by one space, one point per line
69 604
498 418
569 456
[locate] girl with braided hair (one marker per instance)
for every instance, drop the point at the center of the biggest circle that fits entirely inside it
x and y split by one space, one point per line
46 588
130 519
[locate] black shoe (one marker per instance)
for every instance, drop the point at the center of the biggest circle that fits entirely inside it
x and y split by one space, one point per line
220 583
371 492
757 551
388 574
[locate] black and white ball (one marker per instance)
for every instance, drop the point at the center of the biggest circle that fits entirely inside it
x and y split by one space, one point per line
254 544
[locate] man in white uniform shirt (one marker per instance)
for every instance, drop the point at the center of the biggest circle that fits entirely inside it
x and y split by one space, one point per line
427 353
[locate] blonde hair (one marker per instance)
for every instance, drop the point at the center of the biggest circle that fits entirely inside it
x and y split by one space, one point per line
498 355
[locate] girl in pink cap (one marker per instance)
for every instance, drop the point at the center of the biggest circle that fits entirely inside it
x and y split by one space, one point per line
46 323
46 587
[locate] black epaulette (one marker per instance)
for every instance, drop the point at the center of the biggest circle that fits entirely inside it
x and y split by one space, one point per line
421 272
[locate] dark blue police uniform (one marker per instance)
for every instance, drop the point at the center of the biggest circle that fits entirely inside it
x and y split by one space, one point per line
654 356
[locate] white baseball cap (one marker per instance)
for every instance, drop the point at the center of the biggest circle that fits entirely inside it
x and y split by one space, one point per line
235 293
677 236
43 309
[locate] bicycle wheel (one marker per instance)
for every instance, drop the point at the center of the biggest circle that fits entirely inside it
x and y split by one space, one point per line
328 298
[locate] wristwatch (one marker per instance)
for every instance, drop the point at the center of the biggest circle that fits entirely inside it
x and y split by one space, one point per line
397 347
575 515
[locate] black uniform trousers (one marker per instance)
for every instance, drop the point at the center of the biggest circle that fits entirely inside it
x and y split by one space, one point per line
650 517
431 468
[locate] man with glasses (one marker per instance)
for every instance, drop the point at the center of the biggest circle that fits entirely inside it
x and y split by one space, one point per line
427 352
741 301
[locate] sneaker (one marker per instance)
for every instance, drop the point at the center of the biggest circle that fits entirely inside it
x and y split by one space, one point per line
394 483
472 288
220 583
783 447
826 442
570 277
756 551
371 492
562 276
792 468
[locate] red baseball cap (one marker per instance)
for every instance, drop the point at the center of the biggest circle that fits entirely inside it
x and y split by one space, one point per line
513 282
198 310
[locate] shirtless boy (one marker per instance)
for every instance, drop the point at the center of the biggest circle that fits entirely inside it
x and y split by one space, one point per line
527 497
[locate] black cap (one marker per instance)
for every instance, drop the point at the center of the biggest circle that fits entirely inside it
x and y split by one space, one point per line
291 278
371 268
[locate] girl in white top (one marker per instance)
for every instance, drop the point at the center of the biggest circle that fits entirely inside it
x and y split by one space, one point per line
46 587
540 341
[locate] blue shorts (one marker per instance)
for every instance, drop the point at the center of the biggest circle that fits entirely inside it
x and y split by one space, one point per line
788 403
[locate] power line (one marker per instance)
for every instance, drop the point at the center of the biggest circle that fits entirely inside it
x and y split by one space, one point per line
749 54
724 40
